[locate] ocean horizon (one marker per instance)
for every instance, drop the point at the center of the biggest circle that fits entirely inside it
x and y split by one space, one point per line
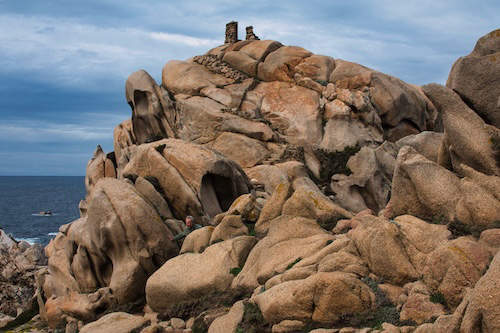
22 198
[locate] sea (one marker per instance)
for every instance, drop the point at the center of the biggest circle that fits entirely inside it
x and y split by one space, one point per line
22 198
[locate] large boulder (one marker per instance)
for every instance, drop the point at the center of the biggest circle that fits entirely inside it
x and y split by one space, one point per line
424 189
202 120
476 78
119 243
369 184
279 65
189 276
245 151
293 111
409 241
123 137
116 322
483 310
394 100
289 239
151 108
195 180
467 139
181 77
308 201
455 266
322 297
425 143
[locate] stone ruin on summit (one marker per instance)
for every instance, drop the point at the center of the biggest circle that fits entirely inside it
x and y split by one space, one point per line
232 33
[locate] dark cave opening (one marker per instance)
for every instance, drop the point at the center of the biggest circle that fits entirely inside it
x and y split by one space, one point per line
217 193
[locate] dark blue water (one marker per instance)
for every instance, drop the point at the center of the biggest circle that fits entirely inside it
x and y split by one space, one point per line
20 197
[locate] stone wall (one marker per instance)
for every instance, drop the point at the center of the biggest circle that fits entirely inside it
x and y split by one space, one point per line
231 32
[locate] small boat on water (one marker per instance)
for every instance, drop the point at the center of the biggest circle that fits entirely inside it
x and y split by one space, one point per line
44 213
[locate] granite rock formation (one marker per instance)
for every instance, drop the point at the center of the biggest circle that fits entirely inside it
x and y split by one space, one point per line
19 262
330 195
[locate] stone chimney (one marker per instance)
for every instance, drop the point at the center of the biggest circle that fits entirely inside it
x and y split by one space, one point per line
231 32
250 34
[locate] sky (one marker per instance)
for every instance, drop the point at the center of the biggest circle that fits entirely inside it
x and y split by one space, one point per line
63 64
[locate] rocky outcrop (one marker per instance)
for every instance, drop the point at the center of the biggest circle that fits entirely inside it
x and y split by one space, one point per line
152 108
19 262
194 180
471 74
100 165
286 158
116 245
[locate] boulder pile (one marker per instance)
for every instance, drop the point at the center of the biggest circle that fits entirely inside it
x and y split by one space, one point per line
330 198
19 263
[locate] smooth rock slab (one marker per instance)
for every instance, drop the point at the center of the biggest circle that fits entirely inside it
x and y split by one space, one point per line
116 322
190 276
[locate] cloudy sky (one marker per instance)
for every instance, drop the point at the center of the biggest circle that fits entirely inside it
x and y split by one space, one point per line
63 64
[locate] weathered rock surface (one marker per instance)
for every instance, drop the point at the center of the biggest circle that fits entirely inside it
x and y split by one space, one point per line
230 321
408 239
19 262
369 184
151 108
454 266
423 188
195 180
484 304
116 322
470 75
289 239
100 165
323 297
468 139
192 275
117 245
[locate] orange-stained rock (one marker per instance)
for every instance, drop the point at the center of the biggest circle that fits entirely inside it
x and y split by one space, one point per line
292 111
279 65
454 266
189 78
245 151
483 310
323 297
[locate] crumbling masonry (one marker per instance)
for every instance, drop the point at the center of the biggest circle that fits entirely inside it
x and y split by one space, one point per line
232 33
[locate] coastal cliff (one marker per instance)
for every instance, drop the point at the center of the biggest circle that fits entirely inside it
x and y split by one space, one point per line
330 197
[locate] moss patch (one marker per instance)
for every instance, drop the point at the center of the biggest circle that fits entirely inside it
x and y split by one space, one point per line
438 298
385 311
495 146
235 270
253 321
186 310
290 265
335 162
